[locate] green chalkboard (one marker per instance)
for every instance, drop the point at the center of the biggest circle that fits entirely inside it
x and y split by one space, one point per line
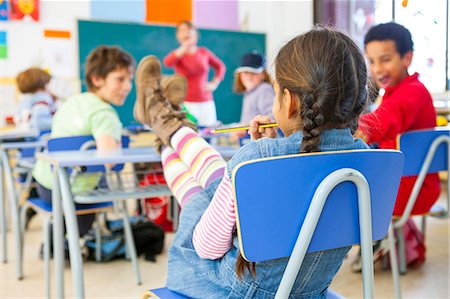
141 40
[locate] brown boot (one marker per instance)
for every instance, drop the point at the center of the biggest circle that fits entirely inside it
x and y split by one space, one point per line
151 107
148 77
161 117
174 89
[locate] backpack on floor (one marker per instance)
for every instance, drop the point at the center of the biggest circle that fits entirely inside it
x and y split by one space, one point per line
414 244
156 208
148 239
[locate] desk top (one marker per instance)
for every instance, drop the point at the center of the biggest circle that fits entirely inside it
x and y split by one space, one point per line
126 155
18 133
22 145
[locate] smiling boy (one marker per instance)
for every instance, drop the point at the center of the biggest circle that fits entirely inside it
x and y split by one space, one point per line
406 105
109 73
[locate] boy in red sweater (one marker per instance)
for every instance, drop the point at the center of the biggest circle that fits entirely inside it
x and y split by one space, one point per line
406 105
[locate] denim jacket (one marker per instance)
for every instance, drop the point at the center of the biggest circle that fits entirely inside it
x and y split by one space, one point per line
201 278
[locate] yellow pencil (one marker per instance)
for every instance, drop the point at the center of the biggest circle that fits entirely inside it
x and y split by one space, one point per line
246 128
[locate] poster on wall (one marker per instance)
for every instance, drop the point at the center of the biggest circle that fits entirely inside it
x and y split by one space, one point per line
57 44
24 9
3 10
3 45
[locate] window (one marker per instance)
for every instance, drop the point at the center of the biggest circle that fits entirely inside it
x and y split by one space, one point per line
427 22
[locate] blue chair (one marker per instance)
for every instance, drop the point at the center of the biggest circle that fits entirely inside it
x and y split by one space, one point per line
11 151
323 201
45 209
426 151
25 163
82 143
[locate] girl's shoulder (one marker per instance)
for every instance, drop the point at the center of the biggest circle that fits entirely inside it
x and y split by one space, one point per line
263 148
41 97
204 51
265 87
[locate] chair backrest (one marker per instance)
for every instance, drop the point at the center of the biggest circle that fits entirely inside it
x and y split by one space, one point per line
29 152
274 196
416 145
83 143
426 151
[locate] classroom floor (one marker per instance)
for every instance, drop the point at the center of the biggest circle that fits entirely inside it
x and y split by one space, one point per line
115 279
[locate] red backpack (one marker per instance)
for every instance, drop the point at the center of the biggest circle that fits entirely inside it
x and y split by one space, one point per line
414 244
155 208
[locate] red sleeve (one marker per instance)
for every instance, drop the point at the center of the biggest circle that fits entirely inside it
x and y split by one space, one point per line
394 116
216 64
382 124
170 60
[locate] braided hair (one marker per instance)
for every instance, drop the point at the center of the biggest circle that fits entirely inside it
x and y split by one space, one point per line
326 71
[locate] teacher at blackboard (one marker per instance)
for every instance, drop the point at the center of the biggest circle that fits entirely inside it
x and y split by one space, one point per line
193 62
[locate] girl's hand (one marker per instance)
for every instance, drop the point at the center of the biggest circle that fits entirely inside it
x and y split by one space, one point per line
235 136
360 134
211 86
182 49
256 132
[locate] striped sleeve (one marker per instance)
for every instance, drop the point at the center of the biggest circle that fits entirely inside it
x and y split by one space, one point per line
213 234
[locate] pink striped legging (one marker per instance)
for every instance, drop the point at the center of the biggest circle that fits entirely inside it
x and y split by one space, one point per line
190 164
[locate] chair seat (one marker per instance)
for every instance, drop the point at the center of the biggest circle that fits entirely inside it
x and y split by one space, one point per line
45 206
27 163
333 295
104 194
163 293
436 210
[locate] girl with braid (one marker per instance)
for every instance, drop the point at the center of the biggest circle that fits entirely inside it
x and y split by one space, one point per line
320 91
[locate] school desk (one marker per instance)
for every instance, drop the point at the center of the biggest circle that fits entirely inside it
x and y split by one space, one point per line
442 107
17 133
6 172
62 197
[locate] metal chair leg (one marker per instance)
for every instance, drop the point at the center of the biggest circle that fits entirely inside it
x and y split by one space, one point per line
394 263
130 243
46 252
424 226
401 250
22 219
98 239
175 211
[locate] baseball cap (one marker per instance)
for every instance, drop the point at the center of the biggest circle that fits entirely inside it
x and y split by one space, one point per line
252 62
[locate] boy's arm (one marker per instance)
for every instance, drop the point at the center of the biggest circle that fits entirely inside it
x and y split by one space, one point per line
41 117
107 131
385 123
41 111
106 142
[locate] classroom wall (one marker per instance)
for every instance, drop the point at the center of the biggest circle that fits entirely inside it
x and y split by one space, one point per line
280 20
27 46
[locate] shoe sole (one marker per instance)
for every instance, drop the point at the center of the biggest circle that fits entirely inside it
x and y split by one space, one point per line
148 66
175 89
